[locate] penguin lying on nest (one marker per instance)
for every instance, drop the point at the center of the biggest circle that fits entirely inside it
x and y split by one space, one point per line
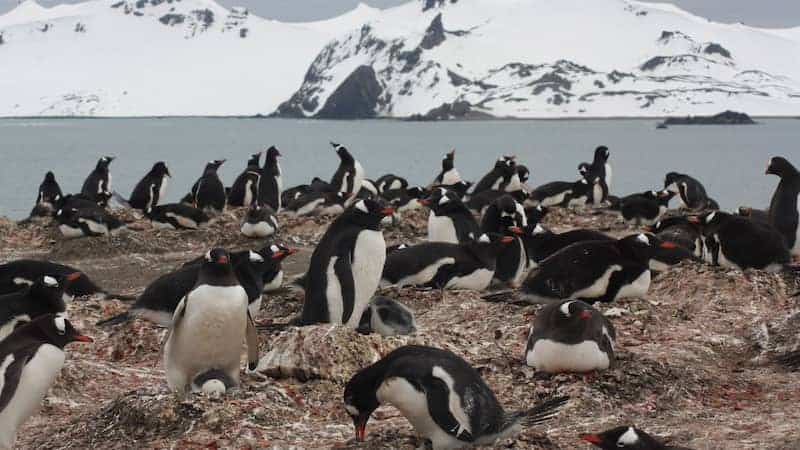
627 437
17 275
387 317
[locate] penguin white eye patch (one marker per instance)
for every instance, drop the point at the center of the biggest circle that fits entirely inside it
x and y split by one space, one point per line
444 200
484 238
60 323
274 248
642 238
710 217
255 257
50 281
361 206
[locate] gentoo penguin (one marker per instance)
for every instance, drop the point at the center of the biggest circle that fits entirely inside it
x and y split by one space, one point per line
592 271
208 329
48 196
269 191
561 193
758 215
208 192
345 268
461 188
349 176
536 214
599 191
507 216
541 243
449 219
734 241
19 274
599 167
570 336
151 189
46 295
783 213
627 437
442 396
368 190
99 181
387 317
177 216
524 175
30 360
444 265
499 177
691 193
405 199
645 208
293 193
260 222
80 201
74 223
244 191
679 230
449 174
480 201
391 182
666 253
318 204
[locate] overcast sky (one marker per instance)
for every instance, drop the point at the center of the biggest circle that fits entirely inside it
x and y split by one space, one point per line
766 13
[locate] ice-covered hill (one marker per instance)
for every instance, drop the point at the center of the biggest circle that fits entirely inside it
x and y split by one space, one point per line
434 58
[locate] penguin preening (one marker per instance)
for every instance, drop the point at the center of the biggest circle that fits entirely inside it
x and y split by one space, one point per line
627 437
30 360
390 182
570 336
271 182
449 219
99 180
346 266
208 329
151 189
349 175
177 216
259 222
444 398
45 296
500 177
645 208
691 192
783 212
449 174
387 317
245 189
208 191
48 196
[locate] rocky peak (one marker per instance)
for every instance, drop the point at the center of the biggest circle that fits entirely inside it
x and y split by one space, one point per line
434 35
431 4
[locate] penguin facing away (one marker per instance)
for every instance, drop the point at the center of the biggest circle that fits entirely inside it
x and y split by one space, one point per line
48 196
387 317
271 183
441 395
45 296
497 178
245 188
691 192
627 437
151 189
346 266
783 212
645 208
30 360
449 174
208 191
570 336
208 329
99 180
75 223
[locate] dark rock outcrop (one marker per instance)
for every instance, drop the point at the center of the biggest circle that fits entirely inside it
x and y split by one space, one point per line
458 110
434 35
725 118
716 49
355 98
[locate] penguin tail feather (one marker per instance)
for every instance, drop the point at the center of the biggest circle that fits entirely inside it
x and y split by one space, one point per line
499 296
790 360
116 320
540 413
124 298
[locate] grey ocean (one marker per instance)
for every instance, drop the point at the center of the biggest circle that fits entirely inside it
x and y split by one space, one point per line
730 160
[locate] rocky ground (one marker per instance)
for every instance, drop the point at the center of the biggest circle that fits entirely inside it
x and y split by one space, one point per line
694 356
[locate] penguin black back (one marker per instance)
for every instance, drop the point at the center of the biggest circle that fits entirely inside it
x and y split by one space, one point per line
99 180
271 184
151 189
783 213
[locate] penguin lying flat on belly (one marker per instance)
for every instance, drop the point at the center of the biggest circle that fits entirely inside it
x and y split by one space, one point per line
403 200
318 204
75 223
30 360
645 208
678 230
99 180
449 219
740 243
443 265
442 396
783 212
177 216
45 296
271 182
293 193
449 174
540 242
560 193
629 438
570 336
244 191
48 196
691 192
151 189
17 275
259 222
208 192
756 215
387 317
345 268
208 329
390 182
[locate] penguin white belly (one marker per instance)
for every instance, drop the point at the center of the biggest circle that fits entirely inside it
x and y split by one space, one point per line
333 293
413 404
333 210
599 287
260 229
478 280
162 190
411 205
162 225
609 176
185 222
70 232
248 193
9 326
577 201
369 256
35 380
210 335
514 184
597 194
441 229
423 276
451 177
161 318
554 357
522 264
275 284
555 199
255 307
657 265
94 227
358 177
309 207
637 289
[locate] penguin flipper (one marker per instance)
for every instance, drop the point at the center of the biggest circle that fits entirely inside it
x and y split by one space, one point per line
252 343
440 406
343 268
11 378
443 275
180 310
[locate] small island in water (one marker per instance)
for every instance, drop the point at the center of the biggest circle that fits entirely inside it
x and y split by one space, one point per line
724 118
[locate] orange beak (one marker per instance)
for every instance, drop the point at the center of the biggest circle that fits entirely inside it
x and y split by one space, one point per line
516 230
82 338
666 245
73 276
506 240
222 260
693 219
387 211
592 438
586 315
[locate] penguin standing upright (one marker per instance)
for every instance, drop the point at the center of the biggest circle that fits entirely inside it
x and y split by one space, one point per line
783 213
691 193
449 174
271 186
208 192
507 216
504 170
599 167
48 196
46 295
151 189
208 329
449 219
346 266
443 397
244 191
350 174
99 181
30 360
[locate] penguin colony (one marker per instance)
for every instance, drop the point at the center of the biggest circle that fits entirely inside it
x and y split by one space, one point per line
481 236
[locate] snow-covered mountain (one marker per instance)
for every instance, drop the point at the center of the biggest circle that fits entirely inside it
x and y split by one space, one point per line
434 58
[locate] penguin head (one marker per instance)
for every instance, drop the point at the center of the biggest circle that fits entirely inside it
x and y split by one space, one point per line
509 166
49 293
535 230
254 161
535 214
523 172
160 169
212 166
583 168
360 398
625 437
56 329
491 242
341 150
639 247
601 154
573 314
442 200
369 213
103 198
49 177
104 162
665 195
276 252
781 167
708 219
448 162
273 153
217 258
671 180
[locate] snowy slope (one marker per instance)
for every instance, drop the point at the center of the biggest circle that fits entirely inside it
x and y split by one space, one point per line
153 57
551 58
